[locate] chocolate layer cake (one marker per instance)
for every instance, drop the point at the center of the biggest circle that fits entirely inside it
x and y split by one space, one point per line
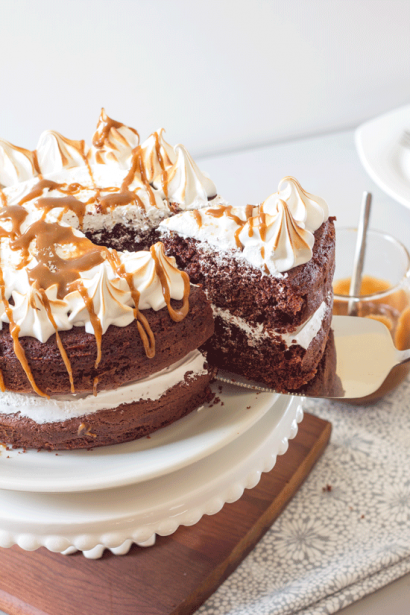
116 192
87 330
268 273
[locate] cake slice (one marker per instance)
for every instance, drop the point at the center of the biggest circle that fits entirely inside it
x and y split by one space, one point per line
267 271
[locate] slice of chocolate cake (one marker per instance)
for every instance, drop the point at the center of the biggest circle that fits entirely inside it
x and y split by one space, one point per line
267 271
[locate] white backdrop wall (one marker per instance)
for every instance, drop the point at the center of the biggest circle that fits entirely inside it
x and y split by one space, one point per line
218 74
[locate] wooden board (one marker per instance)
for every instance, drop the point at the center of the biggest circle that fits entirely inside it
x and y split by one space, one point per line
179 572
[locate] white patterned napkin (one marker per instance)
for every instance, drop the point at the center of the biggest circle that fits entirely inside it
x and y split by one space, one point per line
333 545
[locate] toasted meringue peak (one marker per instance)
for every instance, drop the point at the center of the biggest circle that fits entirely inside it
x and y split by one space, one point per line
112 142
276 241
55 153
269 236
157 155
184 183
309 210
16 164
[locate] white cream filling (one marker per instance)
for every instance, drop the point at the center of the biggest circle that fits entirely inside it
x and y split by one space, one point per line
302 336
63 407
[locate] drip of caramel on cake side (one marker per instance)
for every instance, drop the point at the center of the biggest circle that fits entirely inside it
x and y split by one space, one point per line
125 195
53 267
104 126
198 217
176 315
17 347
145 331
61 348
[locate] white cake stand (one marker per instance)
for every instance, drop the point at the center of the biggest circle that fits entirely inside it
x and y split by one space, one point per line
118 517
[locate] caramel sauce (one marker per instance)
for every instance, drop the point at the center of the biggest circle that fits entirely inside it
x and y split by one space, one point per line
36 164
176 315
137 166
38 189
68 203
249 211
14 214
393 310
2 385
95 384
17 347
51 268
105 124
77 145
198 217
146 334
105 203
46 303
64 271
164 178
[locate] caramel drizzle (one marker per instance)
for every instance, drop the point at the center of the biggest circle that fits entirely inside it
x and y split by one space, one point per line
144 329
38 189
198 217
226 210
164 175
176 315
68 203
17 347
64 273
52 269
95 384
137 165
125 195
105 124
259 220
45 301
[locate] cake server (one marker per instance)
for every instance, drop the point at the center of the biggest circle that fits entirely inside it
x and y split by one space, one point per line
362 360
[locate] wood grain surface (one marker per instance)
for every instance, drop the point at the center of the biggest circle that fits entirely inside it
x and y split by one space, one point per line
175 576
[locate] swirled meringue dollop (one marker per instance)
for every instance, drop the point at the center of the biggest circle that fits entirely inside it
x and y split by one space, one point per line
110 293
55 152
157 155
16 164
113 142
184 183
269 236
309 210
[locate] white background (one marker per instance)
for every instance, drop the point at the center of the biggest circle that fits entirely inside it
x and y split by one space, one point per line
217 74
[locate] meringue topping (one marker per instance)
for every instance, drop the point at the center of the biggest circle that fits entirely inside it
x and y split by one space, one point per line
51 276
55 152
66 280
16 164
269 236
184 183
157 155
309 210
112 142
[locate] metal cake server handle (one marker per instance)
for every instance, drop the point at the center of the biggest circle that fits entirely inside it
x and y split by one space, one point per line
356 365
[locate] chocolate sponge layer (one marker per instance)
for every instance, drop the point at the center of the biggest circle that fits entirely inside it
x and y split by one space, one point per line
127 422
282 303
123 355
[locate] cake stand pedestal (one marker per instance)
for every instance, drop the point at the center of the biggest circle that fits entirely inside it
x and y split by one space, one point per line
181 571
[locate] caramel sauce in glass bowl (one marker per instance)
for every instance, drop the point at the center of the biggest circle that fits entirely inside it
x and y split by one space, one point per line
390 308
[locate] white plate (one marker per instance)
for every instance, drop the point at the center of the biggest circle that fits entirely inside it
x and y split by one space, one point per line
184 442
384 158
137 512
